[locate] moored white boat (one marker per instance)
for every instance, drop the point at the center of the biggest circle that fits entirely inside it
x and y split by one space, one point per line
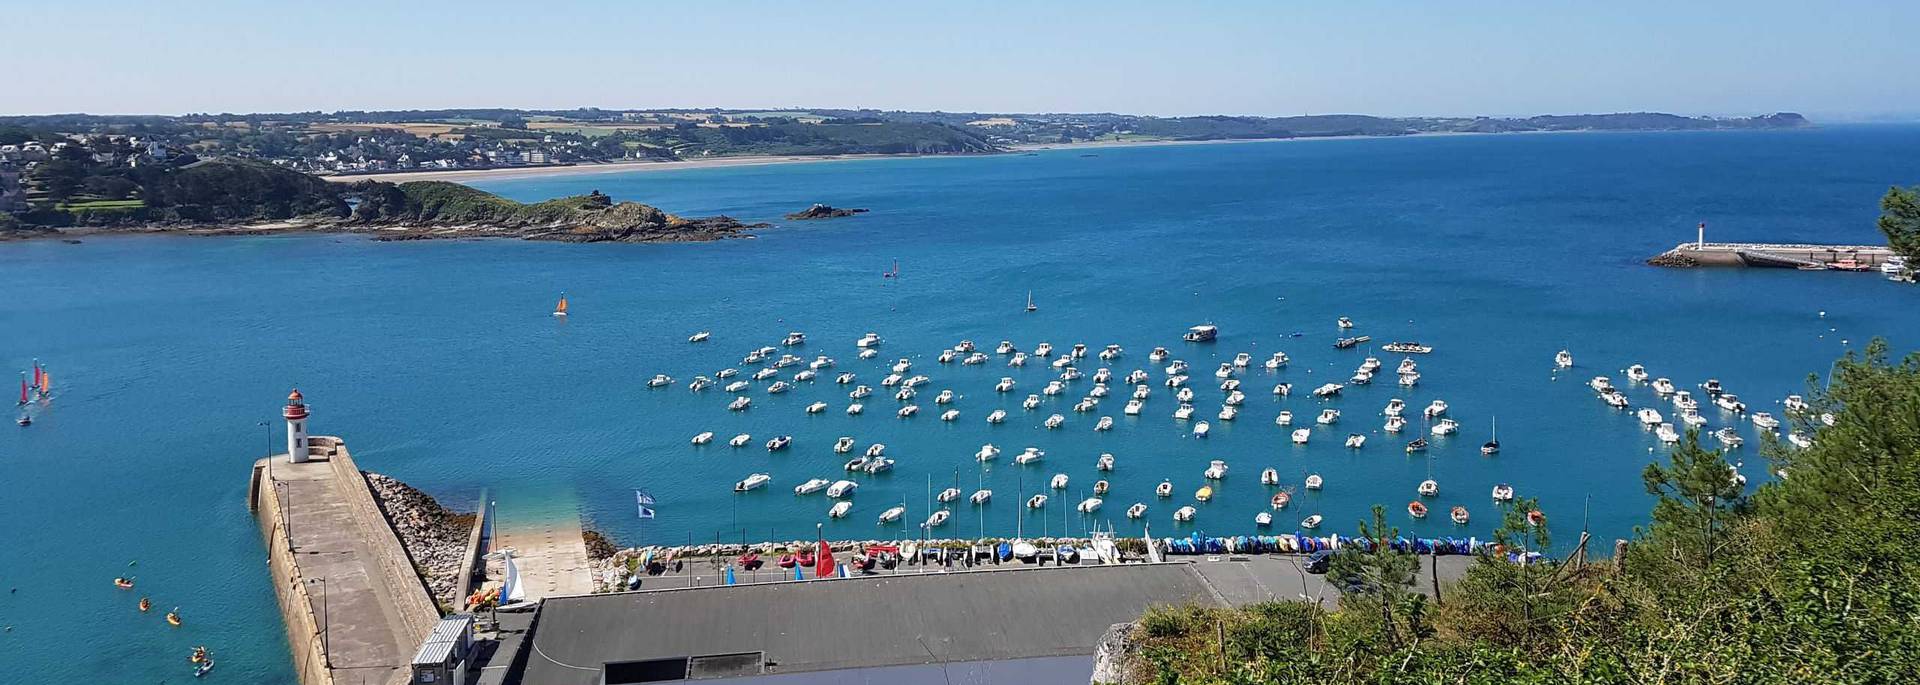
1666 433
1164 489
839 510
987 453
1435 409
1201 429
1327 390
1184 514
1216 470
843 445
950 415
812 485
980 497
741 440
1090 505
1036 501
997 416
1136 511
908 411
1279 359
1315 482
1269 476
1029 456
1105 424
1429 488
1563 359
1356 441
892 514
842 489
1285 418
1058 482
1328 417
1133 407
1649 417
1263 519
1227 413
1662 387
1301 435
752 482
1503 493
660 380
1446 427
855 409
1054 421
816 407
1006 384
1637 374
1311 522
936 520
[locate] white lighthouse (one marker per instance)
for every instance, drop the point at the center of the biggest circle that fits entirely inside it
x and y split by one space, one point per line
296 415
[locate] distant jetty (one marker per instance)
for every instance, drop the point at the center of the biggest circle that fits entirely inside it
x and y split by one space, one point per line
1803 256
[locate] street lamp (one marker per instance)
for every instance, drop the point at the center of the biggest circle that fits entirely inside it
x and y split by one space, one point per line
326 621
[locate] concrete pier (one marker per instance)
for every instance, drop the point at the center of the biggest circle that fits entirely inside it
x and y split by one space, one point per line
354 609
1777 255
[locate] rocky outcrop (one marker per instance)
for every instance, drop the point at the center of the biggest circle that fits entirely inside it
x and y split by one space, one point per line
820 211
1674 259
435 537
1111 655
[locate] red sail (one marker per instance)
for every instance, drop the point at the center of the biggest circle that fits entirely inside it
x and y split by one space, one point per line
823 564
23 388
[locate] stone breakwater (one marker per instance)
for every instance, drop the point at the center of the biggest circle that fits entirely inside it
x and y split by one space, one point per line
434 536
606 568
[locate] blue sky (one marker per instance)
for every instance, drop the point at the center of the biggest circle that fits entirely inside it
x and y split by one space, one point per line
1838 58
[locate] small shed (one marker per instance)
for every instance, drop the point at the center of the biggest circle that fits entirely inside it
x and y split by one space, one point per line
443 656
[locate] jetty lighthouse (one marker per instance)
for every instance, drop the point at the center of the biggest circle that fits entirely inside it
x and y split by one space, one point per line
296 415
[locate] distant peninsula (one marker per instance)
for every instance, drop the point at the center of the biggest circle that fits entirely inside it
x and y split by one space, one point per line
821 211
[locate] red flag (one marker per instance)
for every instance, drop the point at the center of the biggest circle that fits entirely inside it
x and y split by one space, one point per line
823 563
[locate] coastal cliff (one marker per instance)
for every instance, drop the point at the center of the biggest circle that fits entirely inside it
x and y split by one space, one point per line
422 210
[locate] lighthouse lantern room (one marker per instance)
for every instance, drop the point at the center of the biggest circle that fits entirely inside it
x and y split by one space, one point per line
296 415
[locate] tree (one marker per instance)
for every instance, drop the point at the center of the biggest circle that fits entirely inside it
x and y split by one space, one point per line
1900 221
1378 573
1699 498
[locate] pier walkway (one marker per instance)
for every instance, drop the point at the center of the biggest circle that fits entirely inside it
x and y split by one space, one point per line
1771 255
354 610
551 556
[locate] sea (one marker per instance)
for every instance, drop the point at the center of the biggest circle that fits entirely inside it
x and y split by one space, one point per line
440 363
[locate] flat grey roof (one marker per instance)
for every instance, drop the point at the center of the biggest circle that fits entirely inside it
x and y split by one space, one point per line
857 623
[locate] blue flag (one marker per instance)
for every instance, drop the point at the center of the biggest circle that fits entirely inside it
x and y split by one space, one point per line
645 503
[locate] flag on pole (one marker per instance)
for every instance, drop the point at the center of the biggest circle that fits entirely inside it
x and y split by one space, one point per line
645 503
823 564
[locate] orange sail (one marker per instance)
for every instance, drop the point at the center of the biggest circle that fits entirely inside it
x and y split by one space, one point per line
561 309
46 382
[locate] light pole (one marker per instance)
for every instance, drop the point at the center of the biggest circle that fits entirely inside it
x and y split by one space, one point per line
326 622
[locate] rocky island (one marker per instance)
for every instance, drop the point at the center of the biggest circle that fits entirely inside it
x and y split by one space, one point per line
823 211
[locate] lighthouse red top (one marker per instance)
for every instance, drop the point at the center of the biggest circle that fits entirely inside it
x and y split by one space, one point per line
296 406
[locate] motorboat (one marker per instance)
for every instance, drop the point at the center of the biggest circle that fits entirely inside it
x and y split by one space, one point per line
1666 433
876 449
1662 387
1684 401
1101 486
1235 398
1275 362
1712 386
1136 511
974 359
1032 402
843 445
1692 418
752 482
1005 347
857 463
1408 380
1204 494
1242 360
1284 419
980 497
1133 407
1314 482
779 442
1201 334
1503 493
1089 505
1104 463
1086 405
1394 407
1138 376
1637 374
1018 359
1429 488
1407 366
1407 347
945 397
908 411
892 380
1216 470
842 488
724 374
1417 445
1054 421
1799 440
1036 501
703 438
1328 390
1649 417
946 356
1730 402
1200 429
1043 349
1417 509
915 381
1058 482
997 416
1029 456
1356 441
1227 413
765 373
892 514
869 353
1563 359
987 453
816 407
937 519
1311 522
1063 362
860 392
1111 353
1394 424
950 415
1099 390
741 440
1164 489
738 387
1006 384
855 409
1301 435
1344 322
1361 378
778 387
1159 354
702 336
785 361
659 380
1269 476
1185 395
812 485
1350 343
1600 384
1445 427
1459 515
699 383
1729 437
1794 404
1280 499
794 338
1263 519
1053 388
1435 409
1104 424
1328 417
878 464
1183 412
1225 371
1079 351
839 510
1183 514
1176 380
844 378
871 339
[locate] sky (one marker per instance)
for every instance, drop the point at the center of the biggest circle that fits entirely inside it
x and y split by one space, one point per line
1845 59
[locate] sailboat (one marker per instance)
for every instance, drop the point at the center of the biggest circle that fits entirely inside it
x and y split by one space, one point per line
1493 445
1030 305
560 309
23 387
895 273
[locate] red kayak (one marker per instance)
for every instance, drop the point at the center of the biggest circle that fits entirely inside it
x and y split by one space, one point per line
786 561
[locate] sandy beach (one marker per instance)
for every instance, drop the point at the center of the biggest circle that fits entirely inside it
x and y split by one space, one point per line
462 175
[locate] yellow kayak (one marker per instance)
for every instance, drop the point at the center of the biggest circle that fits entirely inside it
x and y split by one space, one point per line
1204 493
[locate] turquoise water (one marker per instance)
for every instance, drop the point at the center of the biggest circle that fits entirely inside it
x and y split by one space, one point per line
440 365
